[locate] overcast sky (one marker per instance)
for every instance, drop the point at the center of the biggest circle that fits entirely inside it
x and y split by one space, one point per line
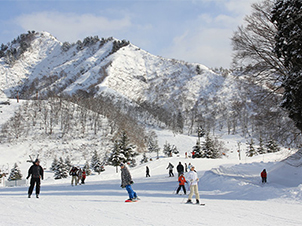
196 31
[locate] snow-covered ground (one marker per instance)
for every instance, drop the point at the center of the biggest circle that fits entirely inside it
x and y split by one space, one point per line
230 188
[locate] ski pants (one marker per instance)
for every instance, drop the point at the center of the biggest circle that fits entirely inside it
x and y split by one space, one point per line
34 181
183 188
171 173
263 179
194 189
75 179
132 194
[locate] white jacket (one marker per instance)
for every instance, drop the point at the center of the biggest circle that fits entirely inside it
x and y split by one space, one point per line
192 177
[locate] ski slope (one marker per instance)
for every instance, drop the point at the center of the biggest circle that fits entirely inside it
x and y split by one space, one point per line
230 188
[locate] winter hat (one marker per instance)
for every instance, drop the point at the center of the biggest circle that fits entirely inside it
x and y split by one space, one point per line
37 160
122 164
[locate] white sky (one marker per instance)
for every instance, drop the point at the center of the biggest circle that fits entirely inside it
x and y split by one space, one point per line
196 31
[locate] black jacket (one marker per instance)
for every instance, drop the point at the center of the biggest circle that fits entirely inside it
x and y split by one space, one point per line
180 168
36 171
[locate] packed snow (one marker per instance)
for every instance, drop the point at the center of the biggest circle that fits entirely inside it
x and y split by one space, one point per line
230 187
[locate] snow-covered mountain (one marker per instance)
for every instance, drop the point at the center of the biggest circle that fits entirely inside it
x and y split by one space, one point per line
106 66
38 63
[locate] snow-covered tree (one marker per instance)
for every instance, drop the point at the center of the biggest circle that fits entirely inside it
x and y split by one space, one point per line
261 150
272 146
59 168
152 143
96 163
288 46
251 149
198 153
211 148
15 173
169 150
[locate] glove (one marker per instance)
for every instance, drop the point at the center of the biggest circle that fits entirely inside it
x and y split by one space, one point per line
27 178
122 186
131 182
186 182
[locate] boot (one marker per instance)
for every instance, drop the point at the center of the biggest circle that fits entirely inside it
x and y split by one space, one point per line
197 201
189 201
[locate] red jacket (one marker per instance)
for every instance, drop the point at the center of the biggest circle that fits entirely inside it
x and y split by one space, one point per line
263 174
182 180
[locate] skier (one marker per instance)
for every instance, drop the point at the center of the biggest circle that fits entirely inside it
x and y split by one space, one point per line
193 178
182 181
263 176
37 173
83 176
180 169
74 175
147 171
189 166
126 183
170 167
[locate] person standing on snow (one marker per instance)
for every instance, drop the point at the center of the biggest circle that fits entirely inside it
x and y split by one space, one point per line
74 175
180 169
182 181
170 167
193 178
37 173
83 177
147 171
263 176
127 181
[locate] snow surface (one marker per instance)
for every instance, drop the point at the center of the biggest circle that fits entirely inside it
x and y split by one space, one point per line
230 188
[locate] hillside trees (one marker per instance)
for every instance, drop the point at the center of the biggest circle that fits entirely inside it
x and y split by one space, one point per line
269 48
286 15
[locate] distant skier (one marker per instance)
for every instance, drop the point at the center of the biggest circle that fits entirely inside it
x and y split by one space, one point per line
193 178
182 181
170 167
74 175
126 183
147 171
180 169
37 173
263 176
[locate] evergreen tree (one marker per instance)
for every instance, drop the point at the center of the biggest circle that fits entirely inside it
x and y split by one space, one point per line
116 158
127 150
198 153
210 148
288 46
96 163
153 144
15 173
61 170
272 146
260 149
167 149
251 150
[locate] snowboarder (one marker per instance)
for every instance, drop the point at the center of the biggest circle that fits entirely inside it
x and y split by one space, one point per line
37 173
83 177
180 169
193 178
263 176
147 171
74 175
170 167
182 181
126 183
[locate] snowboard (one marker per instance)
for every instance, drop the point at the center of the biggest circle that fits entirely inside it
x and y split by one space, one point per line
131 200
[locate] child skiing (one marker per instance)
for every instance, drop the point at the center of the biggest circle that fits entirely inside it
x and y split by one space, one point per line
182 181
